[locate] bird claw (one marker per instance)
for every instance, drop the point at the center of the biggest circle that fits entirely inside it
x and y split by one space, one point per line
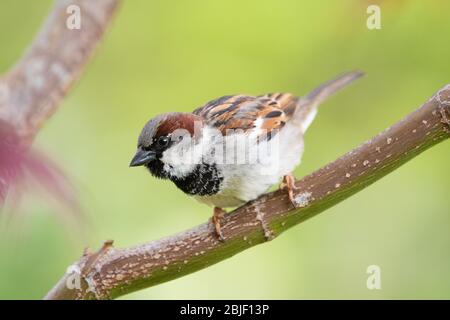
216 218
288 183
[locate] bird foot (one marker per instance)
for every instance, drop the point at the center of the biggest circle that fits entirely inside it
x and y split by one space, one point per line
216 218
288 183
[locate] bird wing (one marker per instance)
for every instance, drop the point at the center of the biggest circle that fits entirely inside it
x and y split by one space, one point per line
267 112
270 111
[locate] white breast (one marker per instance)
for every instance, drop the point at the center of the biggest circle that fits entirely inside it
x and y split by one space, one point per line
249 169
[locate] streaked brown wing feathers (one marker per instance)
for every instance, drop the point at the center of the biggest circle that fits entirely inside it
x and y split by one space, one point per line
243 112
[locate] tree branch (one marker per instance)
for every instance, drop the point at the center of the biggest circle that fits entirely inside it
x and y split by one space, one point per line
112 272
31 91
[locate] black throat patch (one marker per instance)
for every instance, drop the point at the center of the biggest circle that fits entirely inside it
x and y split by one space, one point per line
205 180
156 168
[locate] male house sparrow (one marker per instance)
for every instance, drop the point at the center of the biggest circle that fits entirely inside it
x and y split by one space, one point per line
234 148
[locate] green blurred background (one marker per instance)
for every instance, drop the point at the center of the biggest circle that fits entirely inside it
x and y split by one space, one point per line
163 56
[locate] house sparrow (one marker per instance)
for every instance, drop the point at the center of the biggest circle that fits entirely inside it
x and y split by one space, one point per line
234 148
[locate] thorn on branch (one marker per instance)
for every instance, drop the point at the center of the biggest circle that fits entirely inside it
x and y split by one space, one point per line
93 258
268 233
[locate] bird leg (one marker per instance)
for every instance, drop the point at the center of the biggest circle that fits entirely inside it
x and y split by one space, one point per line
217 216
288 183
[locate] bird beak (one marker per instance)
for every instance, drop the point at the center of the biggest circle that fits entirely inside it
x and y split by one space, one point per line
142 157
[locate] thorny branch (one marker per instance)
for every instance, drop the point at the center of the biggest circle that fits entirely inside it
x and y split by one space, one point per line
112 272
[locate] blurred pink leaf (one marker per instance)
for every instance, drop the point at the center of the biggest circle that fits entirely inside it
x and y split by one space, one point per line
19 164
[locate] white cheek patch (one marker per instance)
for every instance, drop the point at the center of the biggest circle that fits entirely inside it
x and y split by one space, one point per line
182 158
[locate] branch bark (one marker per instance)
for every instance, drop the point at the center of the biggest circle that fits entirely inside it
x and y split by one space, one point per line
32 90
112 272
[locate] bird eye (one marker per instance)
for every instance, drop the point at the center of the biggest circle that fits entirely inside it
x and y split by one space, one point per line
163 141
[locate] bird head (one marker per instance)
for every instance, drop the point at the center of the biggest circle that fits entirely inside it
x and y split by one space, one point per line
163 140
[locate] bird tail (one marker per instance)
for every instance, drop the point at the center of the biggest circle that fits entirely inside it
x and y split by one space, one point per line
306 108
